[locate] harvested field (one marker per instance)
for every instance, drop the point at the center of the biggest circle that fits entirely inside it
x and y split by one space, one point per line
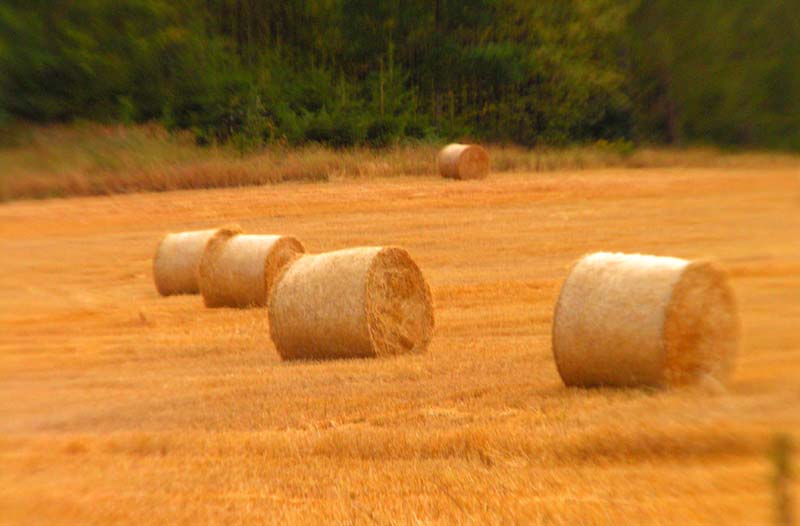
123 407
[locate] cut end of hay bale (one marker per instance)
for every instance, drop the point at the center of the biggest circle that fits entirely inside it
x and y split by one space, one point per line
177 260
463 161
701 328
399 304
239 270
286 250
354 303
630 320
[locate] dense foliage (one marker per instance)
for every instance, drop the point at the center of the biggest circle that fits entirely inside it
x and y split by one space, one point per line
346 72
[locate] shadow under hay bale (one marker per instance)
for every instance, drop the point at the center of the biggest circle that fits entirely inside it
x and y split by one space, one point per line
239 270
463 161
177 260
634 320
354 303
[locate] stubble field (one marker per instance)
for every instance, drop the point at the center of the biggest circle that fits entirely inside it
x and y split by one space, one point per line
118 406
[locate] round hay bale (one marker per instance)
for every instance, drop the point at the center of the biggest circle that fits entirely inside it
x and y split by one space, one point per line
359 302
463 161
177 259
634 320
238 270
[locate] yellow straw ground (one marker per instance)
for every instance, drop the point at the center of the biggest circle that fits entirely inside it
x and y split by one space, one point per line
118 406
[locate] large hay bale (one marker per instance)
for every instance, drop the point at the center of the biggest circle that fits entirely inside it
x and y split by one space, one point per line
177 259
463 161
238 270
631 320
359 302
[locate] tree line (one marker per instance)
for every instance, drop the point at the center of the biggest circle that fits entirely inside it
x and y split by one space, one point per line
352 72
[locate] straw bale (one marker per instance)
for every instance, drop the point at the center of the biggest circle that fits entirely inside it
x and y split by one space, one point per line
463 161
359 302
635 320
177 258
238 270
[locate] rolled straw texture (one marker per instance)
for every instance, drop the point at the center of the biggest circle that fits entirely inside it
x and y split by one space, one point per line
463 161
359 302
634 320
238 270
177 258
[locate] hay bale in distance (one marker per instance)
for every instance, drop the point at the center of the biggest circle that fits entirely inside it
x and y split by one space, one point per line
359 302
634 320
238 270
463 161
177 259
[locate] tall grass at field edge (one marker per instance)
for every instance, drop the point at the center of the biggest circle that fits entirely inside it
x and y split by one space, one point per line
93 159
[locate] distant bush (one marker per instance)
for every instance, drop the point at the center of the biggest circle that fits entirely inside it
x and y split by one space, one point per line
383 132
340 130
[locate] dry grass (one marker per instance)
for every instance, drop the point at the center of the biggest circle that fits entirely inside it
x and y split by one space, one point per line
91 159
122 407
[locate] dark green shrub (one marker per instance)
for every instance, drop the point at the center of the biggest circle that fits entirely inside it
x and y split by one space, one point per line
383 132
